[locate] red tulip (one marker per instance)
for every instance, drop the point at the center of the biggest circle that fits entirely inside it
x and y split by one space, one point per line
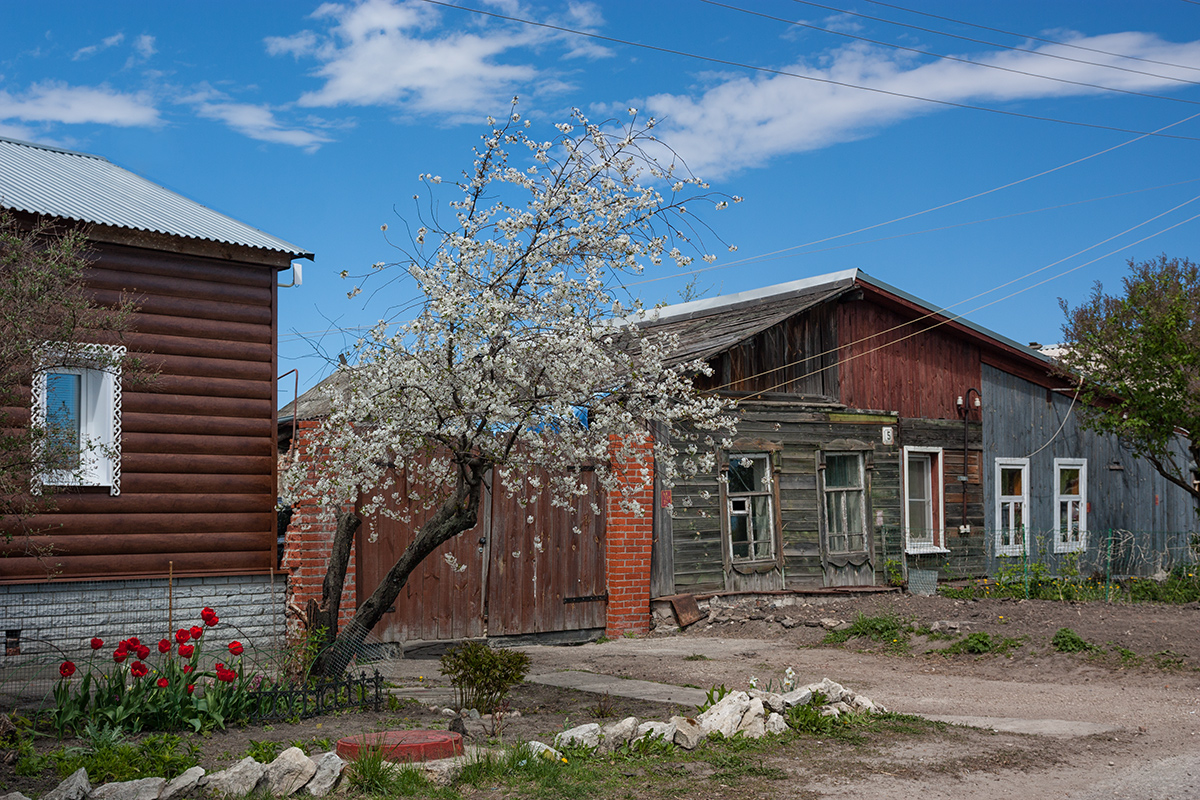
97 643
186 650
66 669
162 683
191 688
143 651
164 646
139 670
196 631
119 655
235 648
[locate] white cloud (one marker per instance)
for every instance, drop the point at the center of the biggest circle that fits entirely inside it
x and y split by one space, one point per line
386 53
58 102
743 121
144 46
258 122
91 50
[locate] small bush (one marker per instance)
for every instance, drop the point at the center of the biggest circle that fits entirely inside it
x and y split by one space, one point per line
712 697
981 643
807 718
1068 641
888 629
483 676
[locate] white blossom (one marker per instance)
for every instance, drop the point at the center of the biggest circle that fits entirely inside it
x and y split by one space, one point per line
520 359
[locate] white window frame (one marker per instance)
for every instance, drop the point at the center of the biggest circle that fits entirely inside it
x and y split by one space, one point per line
1012 549
935 499
1080 540
99 414
740 504
860 489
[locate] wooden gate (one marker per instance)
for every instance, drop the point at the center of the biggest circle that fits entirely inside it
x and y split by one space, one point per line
508 576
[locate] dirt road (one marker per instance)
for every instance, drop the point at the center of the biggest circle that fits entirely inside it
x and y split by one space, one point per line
1149 708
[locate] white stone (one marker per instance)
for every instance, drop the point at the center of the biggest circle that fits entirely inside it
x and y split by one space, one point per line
689 733
796 697
327 777
13 796
141 789
75 787
240 779
725 715
586 735
543 750
773 701
616 735
177 787
656 730
776 724
290 770
753 724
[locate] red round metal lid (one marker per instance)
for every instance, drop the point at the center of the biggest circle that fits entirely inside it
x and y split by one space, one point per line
416 745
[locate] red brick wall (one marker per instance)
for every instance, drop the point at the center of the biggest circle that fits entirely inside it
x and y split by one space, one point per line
309 540
627 547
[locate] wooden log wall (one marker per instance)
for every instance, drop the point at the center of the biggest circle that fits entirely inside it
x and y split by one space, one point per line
198 444
695 530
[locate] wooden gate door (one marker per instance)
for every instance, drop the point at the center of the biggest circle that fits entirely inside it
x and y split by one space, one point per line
543 576
440 602
536 577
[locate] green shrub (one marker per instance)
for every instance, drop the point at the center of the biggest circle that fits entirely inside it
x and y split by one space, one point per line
483 676
981 643
1068 641
888 629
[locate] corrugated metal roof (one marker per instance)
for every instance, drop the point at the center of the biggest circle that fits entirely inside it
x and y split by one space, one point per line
77 186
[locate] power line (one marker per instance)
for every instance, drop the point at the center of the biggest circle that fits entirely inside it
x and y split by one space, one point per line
925 211
957 317
827 81
1030 36
957 59
1041 53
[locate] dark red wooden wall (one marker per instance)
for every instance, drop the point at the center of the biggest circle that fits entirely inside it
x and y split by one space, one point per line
888 361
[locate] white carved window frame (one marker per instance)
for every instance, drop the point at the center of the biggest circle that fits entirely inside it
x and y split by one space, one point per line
100 457
1070 510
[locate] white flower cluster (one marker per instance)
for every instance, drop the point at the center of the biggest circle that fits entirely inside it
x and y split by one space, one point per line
520 361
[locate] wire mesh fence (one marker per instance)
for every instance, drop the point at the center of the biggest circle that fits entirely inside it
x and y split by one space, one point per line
1107 564
82 622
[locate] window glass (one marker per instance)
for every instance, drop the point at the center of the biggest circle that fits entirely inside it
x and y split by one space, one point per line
845 515
1071 505
64 415
1012 516
1011 480
751 514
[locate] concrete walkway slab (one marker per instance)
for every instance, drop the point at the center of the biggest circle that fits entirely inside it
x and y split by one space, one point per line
1062 728
618 687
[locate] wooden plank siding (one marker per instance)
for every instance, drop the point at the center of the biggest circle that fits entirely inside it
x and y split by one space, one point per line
799 433
198 446
891 363
797 356
1025 420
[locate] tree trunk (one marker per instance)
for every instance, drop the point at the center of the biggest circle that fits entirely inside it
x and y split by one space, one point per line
458 514
322 618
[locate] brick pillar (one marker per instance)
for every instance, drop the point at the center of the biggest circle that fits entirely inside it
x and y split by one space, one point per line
309 538
628 538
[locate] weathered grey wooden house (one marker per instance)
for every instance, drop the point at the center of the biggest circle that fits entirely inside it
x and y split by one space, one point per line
188 487
877 431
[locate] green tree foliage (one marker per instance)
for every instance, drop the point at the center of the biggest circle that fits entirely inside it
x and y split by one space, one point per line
1138 354
44 306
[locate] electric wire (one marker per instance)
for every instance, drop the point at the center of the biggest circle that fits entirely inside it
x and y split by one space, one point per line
957 317
1066 417
786 73
957 59
975 196
991 44
941 311
1030 36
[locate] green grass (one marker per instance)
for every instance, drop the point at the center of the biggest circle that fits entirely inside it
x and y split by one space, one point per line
108 758
1066 640
887 629
981 643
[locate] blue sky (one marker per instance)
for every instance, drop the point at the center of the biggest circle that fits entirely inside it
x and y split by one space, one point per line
312 121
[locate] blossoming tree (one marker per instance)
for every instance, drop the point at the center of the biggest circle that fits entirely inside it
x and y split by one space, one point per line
522 359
